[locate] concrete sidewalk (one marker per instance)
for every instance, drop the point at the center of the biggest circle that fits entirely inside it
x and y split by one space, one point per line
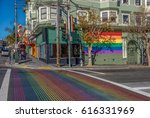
34 63
31 63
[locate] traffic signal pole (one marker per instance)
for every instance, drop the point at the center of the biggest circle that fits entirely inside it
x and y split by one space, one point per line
16 40
69 35
58 35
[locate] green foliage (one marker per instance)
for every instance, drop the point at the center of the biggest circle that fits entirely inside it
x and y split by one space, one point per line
92 27
10 39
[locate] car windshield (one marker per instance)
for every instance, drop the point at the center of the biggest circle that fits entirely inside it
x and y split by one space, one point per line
5 49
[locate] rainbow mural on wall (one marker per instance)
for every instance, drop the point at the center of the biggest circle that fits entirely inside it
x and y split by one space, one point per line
110 43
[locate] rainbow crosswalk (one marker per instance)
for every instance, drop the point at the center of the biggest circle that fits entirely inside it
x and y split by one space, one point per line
61 85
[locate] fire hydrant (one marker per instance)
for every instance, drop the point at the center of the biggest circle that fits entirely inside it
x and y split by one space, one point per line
81 62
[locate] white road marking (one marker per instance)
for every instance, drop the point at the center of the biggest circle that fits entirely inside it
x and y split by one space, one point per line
138 84
114 83
95 72
5 86
141 88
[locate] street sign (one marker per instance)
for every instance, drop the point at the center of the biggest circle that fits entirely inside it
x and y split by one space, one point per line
16 45
70 38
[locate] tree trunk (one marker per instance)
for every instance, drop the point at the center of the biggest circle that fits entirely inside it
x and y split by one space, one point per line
89 55
148 53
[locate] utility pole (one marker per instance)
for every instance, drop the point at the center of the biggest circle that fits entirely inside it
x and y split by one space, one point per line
69 35
16 41
57 33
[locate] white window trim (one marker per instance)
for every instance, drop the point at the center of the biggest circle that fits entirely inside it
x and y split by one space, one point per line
124 3
138 5
50 12
146 3
108 11
32 23
122 18
102 13
40 14
82 11
101 1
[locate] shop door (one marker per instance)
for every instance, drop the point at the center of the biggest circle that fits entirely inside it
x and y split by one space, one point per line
132 52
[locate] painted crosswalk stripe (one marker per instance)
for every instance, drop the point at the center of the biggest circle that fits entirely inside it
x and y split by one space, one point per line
114 83
141 88
5 85
95 72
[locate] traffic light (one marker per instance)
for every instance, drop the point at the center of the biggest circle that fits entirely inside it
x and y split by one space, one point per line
64 34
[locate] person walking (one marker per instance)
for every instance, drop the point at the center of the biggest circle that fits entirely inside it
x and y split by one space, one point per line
10 57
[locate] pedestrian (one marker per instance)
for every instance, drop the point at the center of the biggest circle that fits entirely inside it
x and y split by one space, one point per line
9 54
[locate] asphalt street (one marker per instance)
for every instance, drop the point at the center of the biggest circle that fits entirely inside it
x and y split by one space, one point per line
29 83
135 78
2 68
62 85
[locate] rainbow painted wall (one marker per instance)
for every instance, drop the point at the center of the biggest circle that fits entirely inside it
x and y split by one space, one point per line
109 49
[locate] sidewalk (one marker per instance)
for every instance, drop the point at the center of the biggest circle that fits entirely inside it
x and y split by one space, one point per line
31 63
34 63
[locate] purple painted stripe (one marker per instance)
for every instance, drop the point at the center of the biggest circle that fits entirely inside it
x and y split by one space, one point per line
18 91
107 52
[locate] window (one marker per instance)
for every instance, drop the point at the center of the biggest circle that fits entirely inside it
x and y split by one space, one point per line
138 2
34 24
148 20
104 16
109 16
148 2
53 13
103 0
82 13
43 13
113 16
125 2
125 18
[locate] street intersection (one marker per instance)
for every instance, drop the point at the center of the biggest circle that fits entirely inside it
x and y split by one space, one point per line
60 85
30 82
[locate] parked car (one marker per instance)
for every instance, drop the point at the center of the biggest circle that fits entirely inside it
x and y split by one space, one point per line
1 49
5 51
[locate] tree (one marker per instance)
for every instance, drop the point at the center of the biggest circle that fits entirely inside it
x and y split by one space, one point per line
140 28
92 28
10 39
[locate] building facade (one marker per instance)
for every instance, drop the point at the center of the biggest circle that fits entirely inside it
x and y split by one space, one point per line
41 16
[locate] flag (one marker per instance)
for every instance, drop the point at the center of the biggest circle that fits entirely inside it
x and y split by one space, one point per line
72 23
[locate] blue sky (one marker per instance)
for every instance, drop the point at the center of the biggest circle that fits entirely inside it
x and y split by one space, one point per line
7 15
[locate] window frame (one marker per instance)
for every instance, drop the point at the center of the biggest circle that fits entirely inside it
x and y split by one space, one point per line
125 3
147 3
108 15
82 11
40 14
136 4
128 18
53 13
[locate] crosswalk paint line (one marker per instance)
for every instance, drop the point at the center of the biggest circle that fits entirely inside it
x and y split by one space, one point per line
5 86
141 88
100 73
114 83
